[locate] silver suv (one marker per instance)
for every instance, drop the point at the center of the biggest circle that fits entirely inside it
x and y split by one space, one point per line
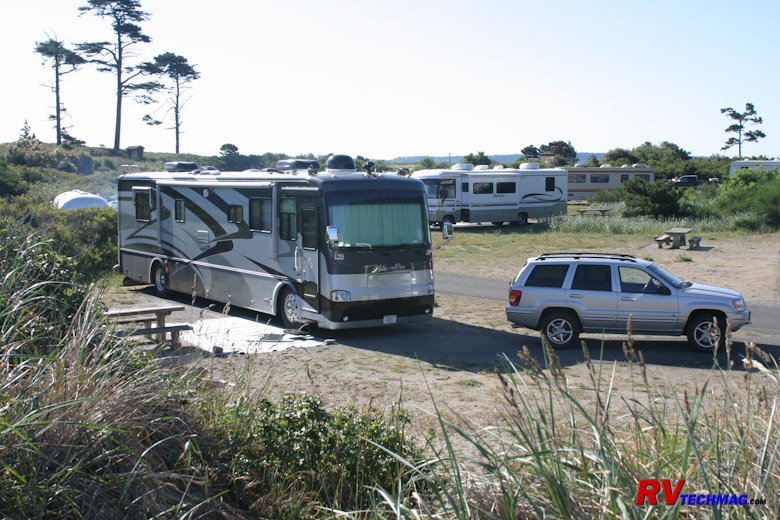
564 294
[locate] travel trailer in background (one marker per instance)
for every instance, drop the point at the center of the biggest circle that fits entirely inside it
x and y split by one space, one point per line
586 181
339 249
753 165
466 193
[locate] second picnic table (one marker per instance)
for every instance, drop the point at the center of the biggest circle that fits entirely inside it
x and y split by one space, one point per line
678 236
600 211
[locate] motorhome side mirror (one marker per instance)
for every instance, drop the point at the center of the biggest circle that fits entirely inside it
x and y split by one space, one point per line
447 230
333 235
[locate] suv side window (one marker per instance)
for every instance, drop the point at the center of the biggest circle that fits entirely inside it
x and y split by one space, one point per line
547 276
633 280
590 277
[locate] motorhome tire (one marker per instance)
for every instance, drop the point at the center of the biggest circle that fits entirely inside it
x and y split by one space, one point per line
159 280
289 310
447 221
522 219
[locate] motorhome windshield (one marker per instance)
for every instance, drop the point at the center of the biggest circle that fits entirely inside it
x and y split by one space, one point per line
370 220
439 188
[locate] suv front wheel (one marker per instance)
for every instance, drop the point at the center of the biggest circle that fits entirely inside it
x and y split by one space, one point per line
560 328
707 332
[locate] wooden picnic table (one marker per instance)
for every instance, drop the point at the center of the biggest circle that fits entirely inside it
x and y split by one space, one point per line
678 236
600 211
149 314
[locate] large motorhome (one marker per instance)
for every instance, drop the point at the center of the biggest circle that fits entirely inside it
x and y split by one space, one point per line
339 249
753 165
468 194
586 181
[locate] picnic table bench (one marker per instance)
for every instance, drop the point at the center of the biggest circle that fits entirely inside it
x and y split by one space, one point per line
601 211
678 236
663 239
153 317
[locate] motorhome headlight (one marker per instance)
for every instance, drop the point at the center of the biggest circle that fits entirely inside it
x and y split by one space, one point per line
340 296
739 305
429 288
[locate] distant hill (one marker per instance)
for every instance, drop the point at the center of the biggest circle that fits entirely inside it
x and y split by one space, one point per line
506 158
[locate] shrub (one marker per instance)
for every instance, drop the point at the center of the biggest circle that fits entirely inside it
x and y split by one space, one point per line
88 235
31 152
657 199
754 191
12 181
298 445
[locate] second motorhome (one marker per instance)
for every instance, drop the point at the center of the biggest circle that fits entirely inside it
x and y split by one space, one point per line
466 193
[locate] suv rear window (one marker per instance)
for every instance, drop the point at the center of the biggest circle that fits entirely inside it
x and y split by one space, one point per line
547 275
592 278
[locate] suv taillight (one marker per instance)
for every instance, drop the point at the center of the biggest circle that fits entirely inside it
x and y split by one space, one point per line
514 297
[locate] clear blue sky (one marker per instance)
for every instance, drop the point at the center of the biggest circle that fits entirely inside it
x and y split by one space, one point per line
417 77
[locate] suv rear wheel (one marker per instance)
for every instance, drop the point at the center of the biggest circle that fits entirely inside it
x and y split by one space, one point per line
560 328
707 332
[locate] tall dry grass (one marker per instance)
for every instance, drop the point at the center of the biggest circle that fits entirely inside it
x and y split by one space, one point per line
563 452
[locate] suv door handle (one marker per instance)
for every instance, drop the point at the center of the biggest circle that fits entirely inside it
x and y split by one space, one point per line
575 296
628 299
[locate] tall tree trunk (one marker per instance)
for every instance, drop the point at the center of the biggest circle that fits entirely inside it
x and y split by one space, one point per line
177 123
58 106
119 92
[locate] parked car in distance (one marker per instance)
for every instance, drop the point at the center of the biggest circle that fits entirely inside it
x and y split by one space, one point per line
687 181
565 294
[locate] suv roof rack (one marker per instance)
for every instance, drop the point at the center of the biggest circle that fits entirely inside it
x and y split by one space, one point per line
613 256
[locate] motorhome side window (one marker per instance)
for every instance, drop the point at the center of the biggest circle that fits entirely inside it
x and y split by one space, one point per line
464 187
577 178
623 178
483 188
260 213
178 210
643 176
309 229
288 221
235 214
599 178
143 205
447 189
506 187
549 183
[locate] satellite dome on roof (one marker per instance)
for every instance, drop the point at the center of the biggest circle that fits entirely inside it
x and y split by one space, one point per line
341 162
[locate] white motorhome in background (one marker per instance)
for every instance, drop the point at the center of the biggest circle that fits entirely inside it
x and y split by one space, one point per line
753 165
585 181
466 193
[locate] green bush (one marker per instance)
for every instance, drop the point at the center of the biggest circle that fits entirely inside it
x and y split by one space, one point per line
297 445
657 199
88 235
752 191
31 152
12 182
